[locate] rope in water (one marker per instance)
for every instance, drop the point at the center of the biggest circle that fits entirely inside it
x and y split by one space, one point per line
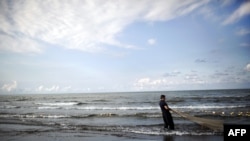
216 125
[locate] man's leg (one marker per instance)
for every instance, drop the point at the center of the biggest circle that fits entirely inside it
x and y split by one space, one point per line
165 122
170 121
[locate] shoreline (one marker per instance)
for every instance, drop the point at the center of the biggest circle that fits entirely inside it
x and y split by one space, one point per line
66 135
52 134
19 131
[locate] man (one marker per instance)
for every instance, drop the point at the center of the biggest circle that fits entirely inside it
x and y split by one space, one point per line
167 117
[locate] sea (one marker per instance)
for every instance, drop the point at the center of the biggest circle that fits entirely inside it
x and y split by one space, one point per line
124 112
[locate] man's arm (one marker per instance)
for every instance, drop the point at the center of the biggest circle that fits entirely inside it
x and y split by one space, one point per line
166 107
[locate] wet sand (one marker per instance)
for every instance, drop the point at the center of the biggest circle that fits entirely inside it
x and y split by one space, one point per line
27 133
98 136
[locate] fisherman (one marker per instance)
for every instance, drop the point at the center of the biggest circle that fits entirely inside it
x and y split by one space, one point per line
167 117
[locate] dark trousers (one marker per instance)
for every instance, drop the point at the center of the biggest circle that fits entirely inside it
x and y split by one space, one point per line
168 120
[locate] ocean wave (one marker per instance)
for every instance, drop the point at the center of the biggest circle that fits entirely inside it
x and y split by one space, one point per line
48 107
147 115
153 130
115 108
23 99
81 103
60 103
79 106
208 106
101 115
171 133
100 100
121 115
9 107
32 116
155 107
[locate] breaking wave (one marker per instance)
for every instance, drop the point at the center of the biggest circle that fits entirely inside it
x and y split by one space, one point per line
48 107
151 130
59 104
62 106
9 107
32 116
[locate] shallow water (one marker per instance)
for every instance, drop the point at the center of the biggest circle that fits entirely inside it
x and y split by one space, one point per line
130 112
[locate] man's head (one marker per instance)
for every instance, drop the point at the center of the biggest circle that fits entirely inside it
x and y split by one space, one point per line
162 97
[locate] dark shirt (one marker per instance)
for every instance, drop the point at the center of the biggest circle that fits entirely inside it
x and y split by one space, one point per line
162 103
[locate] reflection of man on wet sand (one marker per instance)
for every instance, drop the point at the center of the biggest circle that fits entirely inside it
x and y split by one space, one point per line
167 117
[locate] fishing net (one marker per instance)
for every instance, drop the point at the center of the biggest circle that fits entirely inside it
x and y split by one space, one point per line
216 125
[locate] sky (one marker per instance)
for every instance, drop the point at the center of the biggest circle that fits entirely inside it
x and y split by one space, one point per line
79 46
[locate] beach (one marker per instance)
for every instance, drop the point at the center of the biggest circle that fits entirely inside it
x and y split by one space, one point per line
50 134
119 116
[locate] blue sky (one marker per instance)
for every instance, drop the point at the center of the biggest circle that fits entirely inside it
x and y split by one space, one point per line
102 46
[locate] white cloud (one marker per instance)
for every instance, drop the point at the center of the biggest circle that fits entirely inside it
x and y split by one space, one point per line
83 25
40 88
19 44
164 83
193 79
54 88
65 89
227 2
243 31
209 13
151 41
10 86
162 10
245 44
172 74
239 13
147 83
247 68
